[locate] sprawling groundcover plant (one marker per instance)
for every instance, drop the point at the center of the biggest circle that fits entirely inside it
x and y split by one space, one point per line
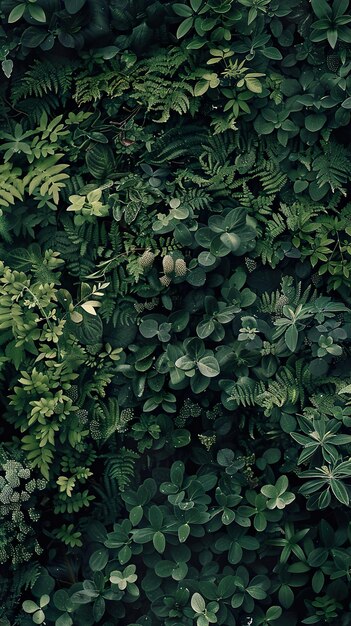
175 312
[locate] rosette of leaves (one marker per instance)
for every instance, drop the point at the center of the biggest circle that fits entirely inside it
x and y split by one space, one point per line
204 614
278 496
327 481
178 212
198 363
232 232
217 315
88 207
151 327
36 610
331 25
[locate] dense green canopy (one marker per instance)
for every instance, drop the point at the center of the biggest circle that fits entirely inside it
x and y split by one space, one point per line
175 312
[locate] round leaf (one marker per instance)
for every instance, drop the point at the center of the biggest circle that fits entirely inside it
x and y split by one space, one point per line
38 617
208 366
198 603
29 606
315 122
231 241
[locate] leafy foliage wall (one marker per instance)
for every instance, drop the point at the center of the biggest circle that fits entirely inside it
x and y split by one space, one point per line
175 316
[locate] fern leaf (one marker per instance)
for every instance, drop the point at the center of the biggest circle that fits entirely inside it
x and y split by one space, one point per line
333 166
121 467
42 78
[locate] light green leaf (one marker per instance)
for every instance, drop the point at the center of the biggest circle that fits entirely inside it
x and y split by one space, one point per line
231 241
201 87
347 103
291 337
282 484
183 532
185 363
208 366
29 606
182 9
272 53
90 306
16 13
205 328
7 67
332 36
184 27
273 613
198 603
269 491
64 620
339 490
159 542
37 13
44 600
38 617
256 592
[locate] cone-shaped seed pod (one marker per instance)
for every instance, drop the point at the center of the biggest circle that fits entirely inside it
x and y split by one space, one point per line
168 264
165 281
147 259
180 267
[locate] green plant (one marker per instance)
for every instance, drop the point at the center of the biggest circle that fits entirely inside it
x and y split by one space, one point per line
175 316
331 23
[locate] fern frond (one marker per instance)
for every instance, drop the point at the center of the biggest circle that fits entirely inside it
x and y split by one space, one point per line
267 253
220 147
333 166
196 199
46 175
165 96
179 143
299 214
245 394
80 267
73 186
110 83
161 83
121 467
245 195
303 379
11 184
270 176
31 574
108 504
115 237
42 78
276 226
110 418
33 108
279 391
269 301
